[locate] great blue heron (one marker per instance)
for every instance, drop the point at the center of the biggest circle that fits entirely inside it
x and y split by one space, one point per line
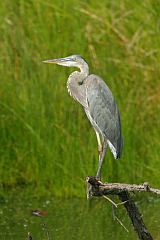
98 103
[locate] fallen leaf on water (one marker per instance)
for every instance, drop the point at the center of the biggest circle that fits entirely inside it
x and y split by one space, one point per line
39 213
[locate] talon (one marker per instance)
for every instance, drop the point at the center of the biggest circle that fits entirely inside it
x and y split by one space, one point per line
98 177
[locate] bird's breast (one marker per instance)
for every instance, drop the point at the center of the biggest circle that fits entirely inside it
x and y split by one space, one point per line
77 91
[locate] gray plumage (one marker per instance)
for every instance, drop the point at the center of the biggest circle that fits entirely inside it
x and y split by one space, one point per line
99 104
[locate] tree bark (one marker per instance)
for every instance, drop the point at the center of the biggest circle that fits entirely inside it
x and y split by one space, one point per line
98 189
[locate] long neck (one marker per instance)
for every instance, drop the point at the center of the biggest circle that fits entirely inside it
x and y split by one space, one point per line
84 69
78 77
76 84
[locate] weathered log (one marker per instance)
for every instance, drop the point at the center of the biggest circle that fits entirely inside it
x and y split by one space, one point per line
98 189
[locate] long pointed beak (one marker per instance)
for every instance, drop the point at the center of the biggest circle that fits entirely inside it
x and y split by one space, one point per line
58 60
54 61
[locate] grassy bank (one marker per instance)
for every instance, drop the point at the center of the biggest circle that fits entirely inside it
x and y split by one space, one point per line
46 141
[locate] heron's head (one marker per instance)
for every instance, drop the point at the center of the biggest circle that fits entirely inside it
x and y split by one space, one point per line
70 61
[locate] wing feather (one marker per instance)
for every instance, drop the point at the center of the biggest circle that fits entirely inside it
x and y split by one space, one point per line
104 112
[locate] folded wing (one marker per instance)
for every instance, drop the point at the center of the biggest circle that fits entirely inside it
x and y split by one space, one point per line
104 113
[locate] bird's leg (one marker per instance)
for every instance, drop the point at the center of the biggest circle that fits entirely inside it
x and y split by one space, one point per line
102 150
100 147
101 158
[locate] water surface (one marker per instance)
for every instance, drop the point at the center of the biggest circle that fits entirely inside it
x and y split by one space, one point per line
72 218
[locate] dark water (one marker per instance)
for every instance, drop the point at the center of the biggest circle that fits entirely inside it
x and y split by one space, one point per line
72 219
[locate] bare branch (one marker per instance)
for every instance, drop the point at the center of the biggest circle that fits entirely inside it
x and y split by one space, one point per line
116 188
99 189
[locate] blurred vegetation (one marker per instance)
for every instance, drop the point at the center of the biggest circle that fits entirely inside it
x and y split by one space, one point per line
46 141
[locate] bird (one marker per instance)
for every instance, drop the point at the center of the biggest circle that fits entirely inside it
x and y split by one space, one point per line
98 103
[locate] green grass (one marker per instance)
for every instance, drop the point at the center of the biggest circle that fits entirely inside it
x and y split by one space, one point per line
46 141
